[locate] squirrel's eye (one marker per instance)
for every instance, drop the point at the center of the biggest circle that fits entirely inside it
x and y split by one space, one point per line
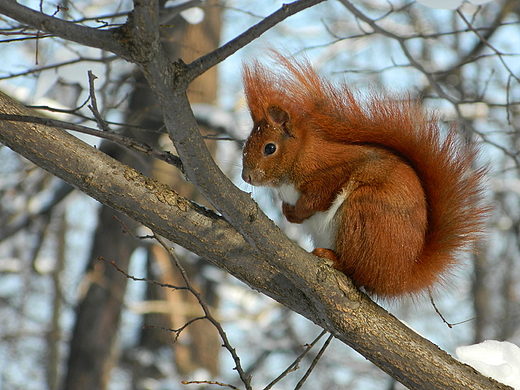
269 149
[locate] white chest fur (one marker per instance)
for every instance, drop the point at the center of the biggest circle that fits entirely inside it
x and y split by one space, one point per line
321 226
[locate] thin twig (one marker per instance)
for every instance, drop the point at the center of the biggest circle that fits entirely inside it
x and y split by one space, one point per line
508 100
209 383
128 276
128 231
314 362
402 42
294 365
128 142
246 379
202 64
88 36
486 43
58 65
179 330
93 107
450 325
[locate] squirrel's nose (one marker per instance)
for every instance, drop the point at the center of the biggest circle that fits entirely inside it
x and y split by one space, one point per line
246 177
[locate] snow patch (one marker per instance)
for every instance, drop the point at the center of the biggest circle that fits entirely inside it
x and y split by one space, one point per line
499 360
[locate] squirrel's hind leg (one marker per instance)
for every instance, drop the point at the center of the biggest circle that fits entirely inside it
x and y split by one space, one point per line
328 254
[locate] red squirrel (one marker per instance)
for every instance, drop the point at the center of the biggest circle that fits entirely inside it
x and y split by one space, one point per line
384 194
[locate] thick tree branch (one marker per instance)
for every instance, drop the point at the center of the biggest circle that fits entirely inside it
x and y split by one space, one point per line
322 294
101 39
168 82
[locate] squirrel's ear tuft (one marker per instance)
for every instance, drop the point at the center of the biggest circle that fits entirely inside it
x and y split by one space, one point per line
279 117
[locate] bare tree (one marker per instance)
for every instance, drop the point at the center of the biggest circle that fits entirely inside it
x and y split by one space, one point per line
237 236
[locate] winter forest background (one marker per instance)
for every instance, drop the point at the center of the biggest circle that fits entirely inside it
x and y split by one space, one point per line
72 320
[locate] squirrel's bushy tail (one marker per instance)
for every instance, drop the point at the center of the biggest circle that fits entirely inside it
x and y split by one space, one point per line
443 160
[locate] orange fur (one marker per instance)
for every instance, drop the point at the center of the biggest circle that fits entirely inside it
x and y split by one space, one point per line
412 200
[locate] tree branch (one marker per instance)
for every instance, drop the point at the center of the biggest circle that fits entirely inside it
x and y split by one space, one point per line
402 42
101 39
120 139
202 64
484 41
168 82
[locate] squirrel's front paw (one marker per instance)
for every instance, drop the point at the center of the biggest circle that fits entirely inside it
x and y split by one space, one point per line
290 213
